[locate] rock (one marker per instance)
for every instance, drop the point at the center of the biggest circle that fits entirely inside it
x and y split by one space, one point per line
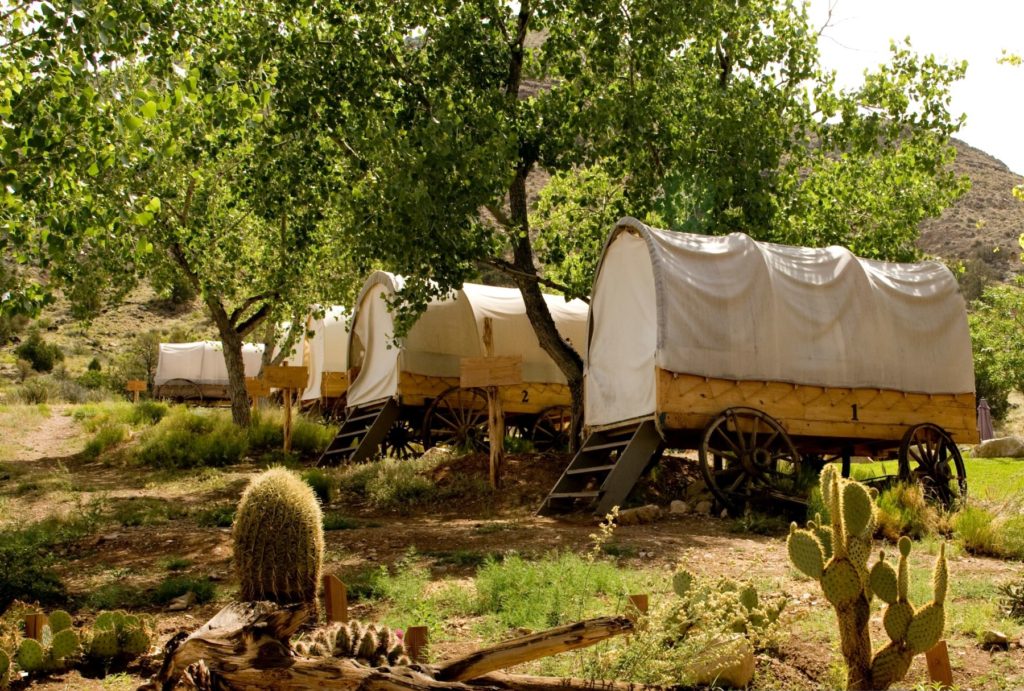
704 507
694 490
1003 447
724 663
180 604
995 640
642 514
678 507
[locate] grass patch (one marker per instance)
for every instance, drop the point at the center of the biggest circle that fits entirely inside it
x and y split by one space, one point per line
985 533
463 558
141 511
334 520
902 510
176 563
309 438
398 486
107 437
189 438
756 523
321 483
176 586
111 596
221 516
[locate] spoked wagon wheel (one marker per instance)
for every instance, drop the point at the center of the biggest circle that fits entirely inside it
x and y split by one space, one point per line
746 454
929 456
552 428
457 418
402 442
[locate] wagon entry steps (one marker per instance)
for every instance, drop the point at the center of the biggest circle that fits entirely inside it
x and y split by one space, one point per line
362 433
605 469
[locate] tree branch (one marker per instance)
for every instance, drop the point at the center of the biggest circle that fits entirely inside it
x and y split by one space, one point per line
510 269
499 215
240 310
255 320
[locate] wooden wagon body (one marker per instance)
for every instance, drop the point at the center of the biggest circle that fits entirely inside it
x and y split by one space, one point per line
406 396
769 360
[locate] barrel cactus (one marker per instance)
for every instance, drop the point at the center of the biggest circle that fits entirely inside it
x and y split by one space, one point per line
837 557
369 644
279 540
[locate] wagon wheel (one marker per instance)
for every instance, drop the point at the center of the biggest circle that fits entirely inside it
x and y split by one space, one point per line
745 453
457 418
929 456
403 441
551 429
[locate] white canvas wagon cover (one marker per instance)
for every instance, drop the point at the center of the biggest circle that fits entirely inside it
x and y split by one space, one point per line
323 347
733 308
448 331
202 362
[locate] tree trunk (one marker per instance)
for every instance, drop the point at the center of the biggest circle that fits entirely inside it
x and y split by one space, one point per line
231 341
567 359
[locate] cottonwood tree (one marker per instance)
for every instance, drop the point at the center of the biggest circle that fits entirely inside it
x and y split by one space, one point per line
710 116
196 173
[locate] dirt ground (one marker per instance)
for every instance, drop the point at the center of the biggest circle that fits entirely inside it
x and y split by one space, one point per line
47 445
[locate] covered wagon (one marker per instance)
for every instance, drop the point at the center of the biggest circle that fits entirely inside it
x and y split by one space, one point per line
768 360
197 371
406 395
323 349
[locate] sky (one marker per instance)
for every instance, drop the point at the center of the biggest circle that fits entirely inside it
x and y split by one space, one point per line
991 95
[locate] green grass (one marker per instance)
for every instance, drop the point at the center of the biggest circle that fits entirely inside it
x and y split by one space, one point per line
334 520
221 516
176 586
143 511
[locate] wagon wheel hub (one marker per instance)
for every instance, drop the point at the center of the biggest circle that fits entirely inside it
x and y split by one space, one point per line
928 456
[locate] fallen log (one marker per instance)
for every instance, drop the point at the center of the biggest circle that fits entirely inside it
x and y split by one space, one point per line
246 646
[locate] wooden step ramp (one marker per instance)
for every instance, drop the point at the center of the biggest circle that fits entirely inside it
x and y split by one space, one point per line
361 434
605 469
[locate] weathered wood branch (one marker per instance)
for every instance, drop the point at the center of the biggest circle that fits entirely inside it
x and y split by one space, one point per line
246 646
524 649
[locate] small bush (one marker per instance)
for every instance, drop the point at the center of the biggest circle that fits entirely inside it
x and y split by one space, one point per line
309 438
38 390
176 586
974 526
191 439
903 510
321 482
117 595
40 354
94 365
177 563
93 379
398 486
1011 599
148 412
106 437
336 521
217 517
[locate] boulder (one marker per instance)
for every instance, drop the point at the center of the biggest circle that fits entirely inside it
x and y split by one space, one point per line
725 663
1002 447
678 507
704 507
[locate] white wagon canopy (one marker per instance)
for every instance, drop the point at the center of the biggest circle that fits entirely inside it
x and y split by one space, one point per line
736 309
323 350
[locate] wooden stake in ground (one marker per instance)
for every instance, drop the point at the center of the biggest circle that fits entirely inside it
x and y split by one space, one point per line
34 624
335 598
246 646
938 665
257 390
288 379
491 373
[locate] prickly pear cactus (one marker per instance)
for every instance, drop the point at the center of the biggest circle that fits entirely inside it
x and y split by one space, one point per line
720 604
52 652
118 634
279 540
369 644
5 669
837 557
31 656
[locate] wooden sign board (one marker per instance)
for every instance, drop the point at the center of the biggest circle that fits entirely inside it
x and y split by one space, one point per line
256 387
505 370
333 384
136 385
285 377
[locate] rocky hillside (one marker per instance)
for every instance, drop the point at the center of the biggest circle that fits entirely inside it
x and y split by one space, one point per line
981 230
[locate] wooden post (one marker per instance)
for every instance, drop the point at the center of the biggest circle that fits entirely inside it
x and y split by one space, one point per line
638 605
335 598
287 420
136 386
34 624
938 665
495 415
415 641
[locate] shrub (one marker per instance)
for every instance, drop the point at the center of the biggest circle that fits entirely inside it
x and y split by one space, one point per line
187 438
24 368
148 412
94 365
336 521
176 586
217 517
397 486
40 354
309 438
105 438
321 482
93 379
902 510
39 390
974 526
1011 598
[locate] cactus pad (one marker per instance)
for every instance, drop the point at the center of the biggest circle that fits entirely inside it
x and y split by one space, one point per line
31 656
840 583
858 510
681 582
925 628
805 552
59 621
883 581
889 665
64 645
897 619
103 644
940 576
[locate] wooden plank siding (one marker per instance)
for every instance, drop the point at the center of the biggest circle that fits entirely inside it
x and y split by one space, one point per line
689 402
526 398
